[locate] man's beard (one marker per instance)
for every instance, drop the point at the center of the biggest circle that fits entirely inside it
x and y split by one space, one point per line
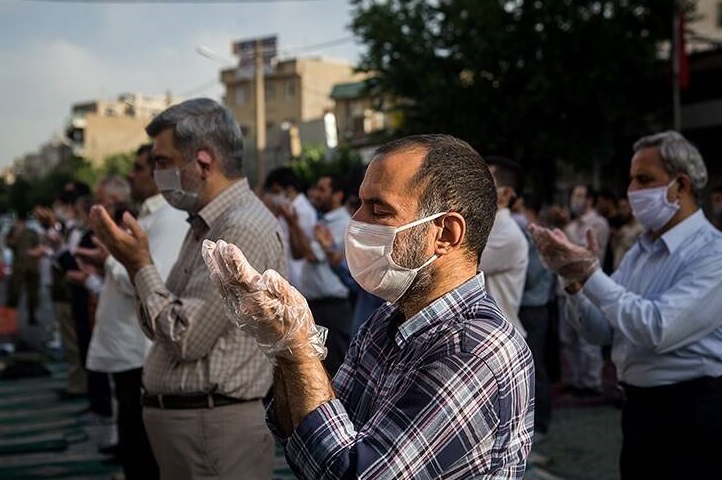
409 252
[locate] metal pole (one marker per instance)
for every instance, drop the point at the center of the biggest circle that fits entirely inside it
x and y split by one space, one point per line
675 52
260 114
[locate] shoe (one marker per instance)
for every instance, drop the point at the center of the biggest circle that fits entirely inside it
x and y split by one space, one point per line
110 449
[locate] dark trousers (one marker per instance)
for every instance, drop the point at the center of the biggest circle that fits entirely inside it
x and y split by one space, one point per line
99 392
135 452
334 314
30 279
673 431
535 321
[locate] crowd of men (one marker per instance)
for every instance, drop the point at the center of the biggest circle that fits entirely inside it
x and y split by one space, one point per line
397 329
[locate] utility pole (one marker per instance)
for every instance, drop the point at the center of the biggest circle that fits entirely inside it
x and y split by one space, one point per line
675 52
260 112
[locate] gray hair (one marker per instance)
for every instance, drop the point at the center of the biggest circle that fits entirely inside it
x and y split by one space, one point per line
202 123
117 187
678 156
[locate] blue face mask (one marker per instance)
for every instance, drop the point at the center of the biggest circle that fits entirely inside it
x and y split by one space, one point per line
651 207
169 184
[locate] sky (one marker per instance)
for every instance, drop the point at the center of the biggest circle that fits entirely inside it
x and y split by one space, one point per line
55 53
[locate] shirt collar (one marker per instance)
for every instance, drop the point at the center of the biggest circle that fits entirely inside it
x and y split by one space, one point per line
503 213
677 235
151 204
335 214
218 205
237 194
447 306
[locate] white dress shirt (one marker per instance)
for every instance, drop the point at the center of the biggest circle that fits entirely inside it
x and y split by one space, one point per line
307 218
117 343
318 280
504 262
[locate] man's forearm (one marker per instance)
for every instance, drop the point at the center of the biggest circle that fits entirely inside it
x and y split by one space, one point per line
300 246
299 389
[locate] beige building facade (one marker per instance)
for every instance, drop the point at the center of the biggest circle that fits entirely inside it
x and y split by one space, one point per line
706 30
296 91
100 128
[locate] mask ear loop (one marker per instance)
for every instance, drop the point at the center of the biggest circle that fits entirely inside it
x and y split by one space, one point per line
419 222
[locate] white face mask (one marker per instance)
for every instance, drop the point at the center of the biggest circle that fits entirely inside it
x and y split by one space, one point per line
368 254
651 207
169 184
578 207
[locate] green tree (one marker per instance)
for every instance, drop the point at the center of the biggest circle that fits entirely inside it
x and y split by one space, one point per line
314 163
540 81
118 164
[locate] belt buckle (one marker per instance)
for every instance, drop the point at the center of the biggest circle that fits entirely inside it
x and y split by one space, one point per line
211 403
160 401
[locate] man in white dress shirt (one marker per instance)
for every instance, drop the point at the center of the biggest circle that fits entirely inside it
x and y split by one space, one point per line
583 360
118 345
506 256
285 188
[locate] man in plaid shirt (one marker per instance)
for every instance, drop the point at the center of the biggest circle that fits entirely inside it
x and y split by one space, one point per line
437 384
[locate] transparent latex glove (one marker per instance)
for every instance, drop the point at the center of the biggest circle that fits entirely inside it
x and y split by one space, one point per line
265 306
572 262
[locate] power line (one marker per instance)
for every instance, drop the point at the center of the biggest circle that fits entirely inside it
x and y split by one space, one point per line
320 45
199 89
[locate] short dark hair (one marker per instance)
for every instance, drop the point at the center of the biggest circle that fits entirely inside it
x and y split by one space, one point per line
455 178
338 184
608 194
533 202
508 172
285 177
591 193
146 150
72 191
203 123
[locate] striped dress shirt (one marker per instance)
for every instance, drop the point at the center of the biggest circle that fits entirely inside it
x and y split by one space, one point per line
446 394
195 348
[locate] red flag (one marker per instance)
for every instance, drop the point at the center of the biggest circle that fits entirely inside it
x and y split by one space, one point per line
682 53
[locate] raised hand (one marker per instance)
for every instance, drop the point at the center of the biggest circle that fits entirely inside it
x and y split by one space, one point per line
129 247
573 262
264 305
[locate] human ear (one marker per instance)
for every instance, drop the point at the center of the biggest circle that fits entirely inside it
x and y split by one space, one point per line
451 233
205 158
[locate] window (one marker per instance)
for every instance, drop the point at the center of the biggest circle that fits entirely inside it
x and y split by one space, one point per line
290 89
241 95
270 92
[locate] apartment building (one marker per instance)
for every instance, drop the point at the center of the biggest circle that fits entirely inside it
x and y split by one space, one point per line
100 128
297 91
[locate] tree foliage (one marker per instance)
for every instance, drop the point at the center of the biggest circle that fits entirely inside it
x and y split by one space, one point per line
539 80
315 162
24 194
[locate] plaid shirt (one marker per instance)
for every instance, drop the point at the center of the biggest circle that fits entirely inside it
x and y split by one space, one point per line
447 394
195 347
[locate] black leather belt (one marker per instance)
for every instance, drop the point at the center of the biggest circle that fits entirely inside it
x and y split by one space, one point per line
177 402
